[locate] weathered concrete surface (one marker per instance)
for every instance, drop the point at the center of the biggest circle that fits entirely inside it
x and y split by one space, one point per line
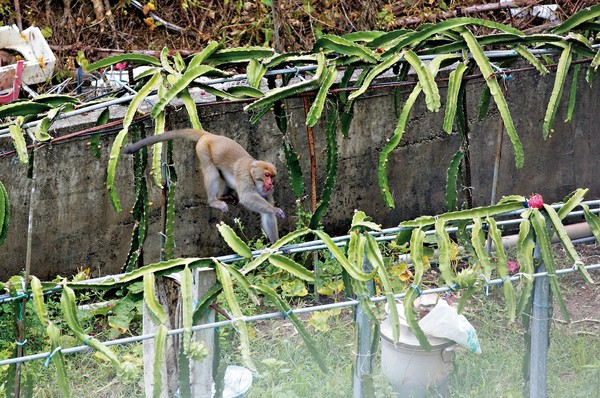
75 226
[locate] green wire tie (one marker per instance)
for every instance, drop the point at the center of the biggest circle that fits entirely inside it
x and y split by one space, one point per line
416 288
49 357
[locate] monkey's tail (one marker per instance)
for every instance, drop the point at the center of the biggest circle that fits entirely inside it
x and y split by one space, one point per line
187 134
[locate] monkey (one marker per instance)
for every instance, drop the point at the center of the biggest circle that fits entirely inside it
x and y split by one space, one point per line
227 169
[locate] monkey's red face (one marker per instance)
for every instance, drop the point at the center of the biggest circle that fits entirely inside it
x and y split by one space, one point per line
264 174
267 181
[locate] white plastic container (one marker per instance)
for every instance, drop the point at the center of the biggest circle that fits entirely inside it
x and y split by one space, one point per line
38 58
412 371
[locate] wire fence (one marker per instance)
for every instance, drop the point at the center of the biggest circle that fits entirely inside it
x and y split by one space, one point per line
273 315
492 55
384 235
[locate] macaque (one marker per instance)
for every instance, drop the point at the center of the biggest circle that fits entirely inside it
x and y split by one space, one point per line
227 169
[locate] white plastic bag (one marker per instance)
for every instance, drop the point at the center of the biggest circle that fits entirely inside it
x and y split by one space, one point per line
443 321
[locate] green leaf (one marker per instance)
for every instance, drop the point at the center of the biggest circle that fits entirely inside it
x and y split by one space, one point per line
155 309
525 248
252 265
69 310
454 84
445 253
374 256
573 93
484 103
280 93
592 220
255 72
117 146
187 309
575 199
181 84
364 36
164 61
244 283
478 242
486 69
157 149
139 59
284 308
561 232
562 70
352 270
160 339
41 130
423 34
38 301
469 214
343 46
159 268
201 56
507 286
234 241
240 326
392 144
316 108
115 152
23 108
4 213
169 228
416 255
292 160
238 54
19 142
525 53
577 19
58 359
331 167
543 239
289 265
356 248
596 61
373 72
55 100
426 80
244 92
190 106
451 180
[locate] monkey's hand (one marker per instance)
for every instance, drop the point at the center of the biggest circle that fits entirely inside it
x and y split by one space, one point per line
279 213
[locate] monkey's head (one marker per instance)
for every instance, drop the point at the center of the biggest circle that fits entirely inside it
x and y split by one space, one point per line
263 174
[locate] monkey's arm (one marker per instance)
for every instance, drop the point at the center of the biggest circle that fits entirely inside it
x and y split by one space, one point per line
253 201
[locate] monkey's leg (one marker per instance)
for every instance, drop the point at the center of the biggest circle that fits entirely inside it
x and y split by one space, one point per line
213 182
229 196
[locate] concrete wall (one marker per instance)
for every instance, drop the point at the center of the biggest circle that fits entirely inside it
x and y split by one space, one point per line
74 225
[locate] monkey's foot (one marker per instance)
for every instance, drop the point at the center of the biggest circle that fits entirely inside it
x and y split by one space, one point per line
229 199
219 204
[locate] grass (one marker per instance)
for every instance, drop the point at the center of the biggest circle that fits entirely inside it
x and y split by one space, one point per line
286 369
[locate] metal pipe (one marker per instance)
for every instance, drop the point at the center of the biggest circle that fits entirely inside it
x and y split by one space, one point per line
493 54
262 317
540 329
386 234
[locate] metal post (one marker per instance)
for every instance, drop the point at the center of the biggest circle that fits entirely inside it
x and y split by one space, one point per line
540 330
362 365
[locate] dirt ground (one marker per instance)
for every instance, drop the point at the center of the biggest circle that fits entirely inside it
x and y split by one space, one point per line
582 298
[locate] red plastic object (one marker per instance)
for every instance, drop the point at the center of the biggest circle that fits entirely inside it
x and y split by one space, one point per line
14 94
